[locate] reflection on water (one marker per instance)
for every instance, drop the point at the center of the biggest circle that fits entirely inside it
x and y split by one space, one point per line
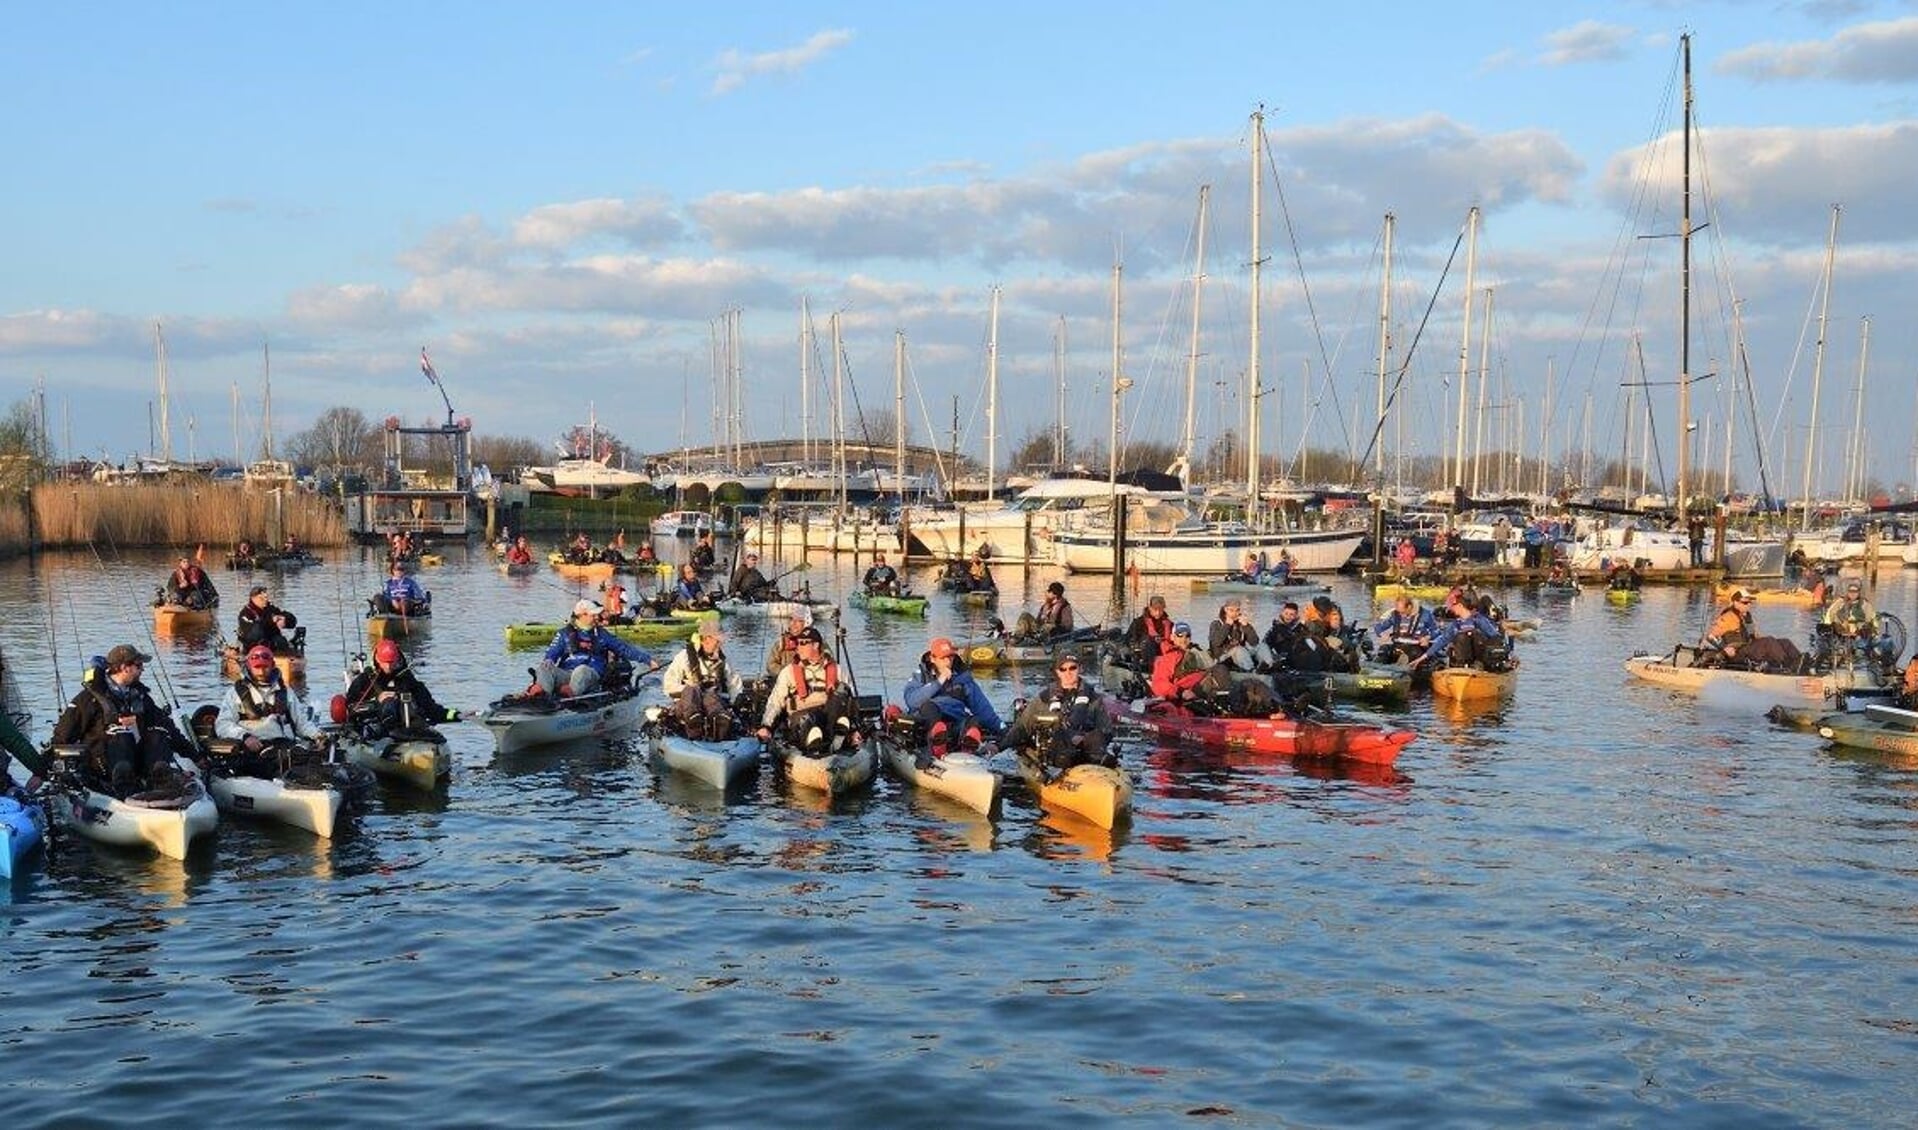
1549 901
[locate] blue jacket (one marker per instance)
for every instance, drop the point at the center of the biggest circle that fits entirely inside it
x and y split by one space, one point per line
1397 626
957 697
573 647
1474 622
404 588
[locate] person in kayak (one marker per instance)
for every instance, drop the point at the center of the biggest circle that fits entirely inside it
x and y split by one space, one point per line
1055 616
1405 631
613 607
979 572
1180 668
1852 617
1148 634
389 696
1284 633
1232 639
703 686
583 652
262 622
816 706
1067 721
190 586
261 710
402 595
1468 639
130 740
705 556
689 594
786 648
947 701
748 583
1734 638
882 579
519 553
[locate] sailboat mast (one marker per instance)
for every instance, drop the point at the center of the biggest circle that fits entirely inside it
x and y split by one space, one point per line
805 383
1252 361
166 427
899 413
1465 346
992 400
1059 448
266 370
1685 295
1484 370
1187 438
1385 344
838 412
1818 367
1118 381
1855 473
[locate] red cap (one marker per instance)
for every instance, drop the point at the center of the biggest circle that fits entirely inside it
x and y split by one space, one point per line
386 652
260 656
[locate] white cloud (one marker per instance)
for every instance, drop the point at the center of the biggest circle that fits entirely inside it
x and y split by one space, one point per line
1585 42
736 68
639 223
1884 52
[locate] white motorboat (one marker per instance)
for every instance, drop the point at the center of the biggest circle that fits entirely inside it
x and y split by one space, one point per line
1178 542
1020 529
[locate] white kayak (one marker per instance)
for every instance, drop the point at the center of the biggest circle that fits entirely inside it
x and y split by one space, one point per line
964 777
166 821
415 757
777 609
314 807
716 763
838 773
518 723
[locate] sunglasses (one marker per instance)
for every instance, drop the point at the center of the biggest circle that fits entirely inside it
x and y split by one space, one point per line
1068 666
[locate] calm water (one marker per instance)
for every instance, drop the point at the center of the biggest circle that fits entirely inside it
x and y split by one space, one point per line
1596 905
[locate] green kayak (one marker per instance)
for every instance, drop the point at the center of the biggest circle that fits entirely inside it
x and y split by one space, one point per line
646 633
879 602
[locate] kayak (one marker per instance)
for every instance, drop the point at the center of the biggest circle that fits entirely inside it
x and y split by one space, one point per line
1473 684
964 777
1288 737
837 774
303 801
776 609
646 633
517 722
1678 670
592 571
174 618
1621 596
23 827
1001 651
392 626
414 757
1803 597
1095 793
979 597
1241 586
716 763
165 820
1396 589
431 560
519 568
1888 729
882 602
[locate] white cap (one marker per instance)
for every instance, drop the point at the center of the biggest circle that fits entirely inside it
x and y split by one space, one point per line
587 608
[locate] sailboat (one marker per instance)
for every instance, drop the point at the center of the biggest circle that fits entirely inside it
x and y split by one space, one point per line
1690 669
587 471
1162 539
266 472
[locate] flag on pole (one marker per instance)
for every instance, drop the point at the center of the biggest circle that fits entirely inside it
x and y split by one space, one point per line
426 366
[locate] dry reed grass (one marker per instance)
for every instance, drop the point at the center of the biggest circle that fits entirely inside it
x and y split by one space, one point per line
216 514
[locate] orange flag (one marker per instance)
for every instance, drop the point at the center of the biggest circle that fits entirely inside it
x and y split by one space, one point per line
199 554
619 540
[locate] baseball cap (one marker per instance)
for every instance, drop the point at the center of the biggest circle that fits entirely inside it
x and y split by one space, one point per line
1741 594
1066 657
586 608
1182 629
808 635
387 652
255 591
260 656
124 654
940 646
710 627
1854 586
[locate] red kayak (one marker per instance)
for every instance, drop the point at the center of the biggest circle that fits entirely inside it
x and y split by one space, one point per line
1287 737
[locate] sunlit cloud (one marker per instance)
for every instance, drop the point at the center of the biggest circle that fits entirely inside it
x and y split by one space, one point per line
1884 52
735 68
1585 42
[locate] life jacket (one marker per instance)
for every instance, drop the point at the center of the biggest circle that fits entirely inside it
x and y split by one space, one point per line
710 674
257 702
802 688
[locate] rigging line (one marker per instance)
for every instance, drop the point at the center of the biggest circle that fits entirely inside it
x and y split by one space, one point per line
1411 349
1305 286
127 598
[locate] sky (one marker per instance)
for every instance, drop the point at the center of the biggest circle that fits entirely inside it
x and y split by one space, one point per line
562 204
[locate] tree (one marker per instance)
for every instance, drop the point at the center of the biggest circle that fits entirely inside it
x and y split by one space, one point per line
342 437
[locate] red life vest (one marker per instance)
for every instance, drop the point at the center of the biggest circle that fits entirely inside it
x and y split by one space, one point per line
801 688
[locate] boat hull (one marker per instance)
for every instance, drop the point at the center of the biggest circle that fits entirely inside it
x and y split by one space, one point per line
1205 552
837 774
178 619
1285 737
1093 793
716 763
167 828
1254 588
776 609
965 778
314 809
645 633
23 828
1674 671
387 626
1869 733
898 605
516 727
1473 684
420 760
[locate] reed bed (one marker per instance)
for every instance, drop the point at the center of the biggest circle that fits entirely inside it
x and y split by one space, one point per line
215 514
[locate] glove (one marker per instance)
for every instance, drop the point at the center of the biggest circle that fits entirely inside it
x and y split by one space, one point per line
452 716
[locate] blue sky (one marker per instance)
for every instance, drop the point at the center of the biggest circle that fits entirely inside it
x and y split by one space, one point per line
560 202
